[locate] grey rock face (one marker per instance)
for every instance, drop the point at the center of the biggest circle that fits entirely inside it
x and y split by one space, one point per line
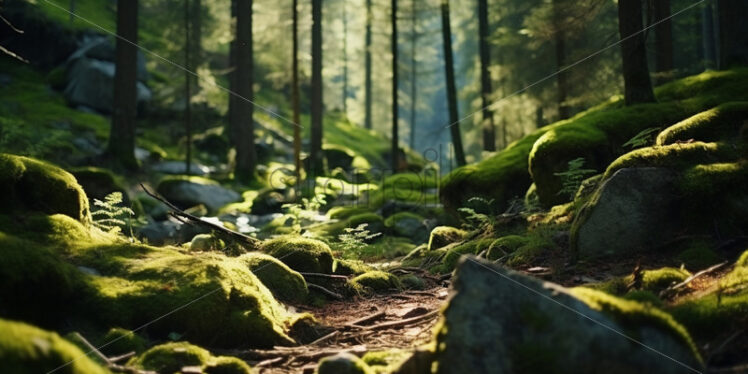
500 321
186 193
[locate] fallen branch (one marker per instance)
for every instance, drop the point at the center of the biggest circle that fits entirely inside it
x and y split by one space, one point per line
326 337
92 349
110 362
122 357
251 242
372 317
325 291
670 290
268 362
339 278
387 325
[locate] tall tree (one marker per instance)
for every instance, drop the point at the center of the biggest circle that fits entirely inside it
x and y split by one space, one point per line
637 85
187 89
121 147
367 66
345 58
559 38
454 123
707 36
733 33
663 36
395 116
295 92
196 37
413 72
489 130
315 153
242 133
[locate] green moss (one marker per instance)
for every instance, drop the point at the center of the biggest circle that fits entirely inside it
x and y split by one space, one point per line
647 297
170 358
388 361
444 235
411 181
343 363
301 254
377 281
284 283
742 260
599 133
350 267
660 279
454 252
372 219
504 246
227 365
720 123
632 314
28 349
392 220
98 182
412 282
344 212
698 255
676 156
385 248
119 341
28 184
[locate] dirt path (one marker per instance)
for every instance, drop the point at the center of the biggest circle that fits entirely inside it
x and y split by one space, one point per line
399 320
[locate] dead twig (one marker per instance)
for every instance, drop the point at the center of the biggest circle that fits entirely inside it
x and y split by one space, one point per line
251 242
325 291
372 317
672 289
326 337
340 278
393 324
122 357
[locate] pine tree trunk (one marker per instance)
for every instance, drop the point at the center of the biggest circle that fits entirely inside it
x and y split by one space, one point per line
229 129
489 130
188 77
637 84
243 113
367 67
707 36
413 72
295 94
663 37
121 147
315 153
395 115
733 33
560 49
196 37
454 125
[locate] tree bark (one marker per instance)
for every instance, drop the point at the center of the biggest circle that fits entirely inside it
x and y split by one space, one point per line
637 84
196 37
733 33
295 93
454 125
243 134
315 153
562 81
395 115
121 147
663 36
367 67
413 72
489 130
187 89
707 36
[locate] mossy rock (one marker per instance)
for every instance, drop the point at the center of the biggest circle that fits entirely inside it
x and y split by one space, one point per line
412 282
188 191
285 284
698 255
99 182
504 246
301 254
29 184
444 235
374 222
387 361
660 279
723 122
377 281
205 242
25 349
408 225
343 363
170 358
119 341
344 212
350 267
457 250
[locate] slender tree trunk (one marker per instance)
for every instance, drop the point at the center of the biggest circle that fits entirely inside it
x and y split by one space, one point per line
187 91
122 133
196 37
733 33
489 130
243 114
345 59
295 94
454 125
315 153
663 37
637 84
562 81
395 114
232 74
707 36
367 67
413 72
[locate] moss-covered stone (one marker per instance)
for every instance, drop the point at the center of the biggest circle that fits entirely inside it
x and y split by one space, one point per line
350 267
408 225
301 254
343 363
344 212
119 341
170 358
99 182
444 235
29 184
284 283
205 242
227 365
388 361
412 282
660 279
25 349
719 123
377 281
504 246
455 252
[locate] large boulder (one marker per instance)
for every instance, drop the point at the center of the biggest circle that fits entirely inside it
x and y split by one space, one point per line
90 83
187 192
500 321
408 225
639 204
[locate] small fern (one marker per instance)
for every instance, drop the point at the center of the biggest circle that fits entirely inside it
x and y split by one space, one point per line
110 215
297 212
355 238
573 177
479 213
643 138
